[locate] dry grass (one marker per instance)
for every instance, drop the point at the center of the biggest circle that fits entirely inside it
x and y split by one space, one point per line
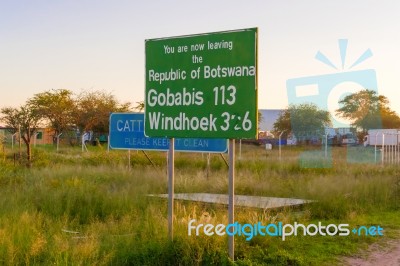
91 210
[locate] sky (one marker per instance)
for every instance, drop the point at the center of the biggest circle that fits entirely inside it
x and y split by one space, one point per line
99 45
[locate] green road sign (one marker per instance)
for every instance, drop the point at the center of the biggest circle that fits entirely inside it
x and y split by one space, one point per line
202 85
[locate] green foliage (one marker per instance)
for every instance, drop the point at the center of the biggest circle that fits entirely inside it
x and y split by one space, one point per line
368 110
57 107
94 108
299 118
25 120
63 112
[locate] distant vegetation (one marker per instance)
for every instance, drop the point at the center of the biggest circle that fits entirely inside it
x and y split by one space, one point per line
302 117
364 110
62 111
368 110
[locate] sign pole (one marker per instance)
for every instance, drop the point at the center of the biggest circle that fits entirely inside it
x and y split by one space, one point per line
213 71
240 149
129 160
171 154
108 143
231 189
208 164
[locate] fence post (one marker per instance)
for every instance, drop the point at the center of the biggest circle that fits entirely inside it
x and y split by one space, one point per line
279 144
383 148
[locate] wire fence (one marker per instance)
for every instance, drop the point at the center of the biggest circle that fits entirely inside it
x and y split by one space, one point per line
390 149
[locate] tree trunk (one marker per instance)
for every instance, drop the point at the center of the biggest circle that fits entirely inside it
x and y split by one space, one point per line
29 152
27 141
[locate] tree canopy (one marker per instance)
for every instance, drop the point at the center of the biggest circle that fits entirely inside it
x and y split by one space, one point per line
368 110
93 110
302 118
56 107
63 111
26 119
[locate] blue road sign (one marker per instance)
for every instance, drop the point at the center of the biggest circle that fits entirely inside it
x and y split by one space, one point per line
127 133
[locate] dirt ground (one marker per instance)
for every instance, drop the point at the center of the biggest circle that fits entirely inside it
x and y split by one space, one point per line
387 254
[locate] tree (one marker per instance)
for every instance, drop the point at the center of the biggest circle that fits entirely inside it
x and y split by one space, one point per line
93 110
26 119
139 106
260 119
368 110
57 107
302 119
283 122
390 119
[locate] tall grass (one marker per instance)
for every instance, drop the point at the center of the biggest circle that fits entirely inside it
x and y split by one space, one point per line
92 209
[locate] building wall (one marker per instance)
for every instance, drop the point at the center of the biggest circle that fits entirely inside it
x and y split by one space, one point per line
45 136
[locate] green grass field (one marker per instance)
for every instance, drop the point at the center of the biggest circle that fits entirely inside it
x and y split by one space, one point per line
74 208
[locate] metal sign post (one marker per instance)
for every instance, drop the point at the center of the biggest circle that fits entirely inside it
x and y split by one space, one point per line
240 149
171 159
231 190
208 164
129 160
202 85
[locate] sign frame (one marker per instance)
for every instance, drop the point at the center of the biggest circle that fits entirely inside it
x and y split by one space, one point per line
220 145
183 83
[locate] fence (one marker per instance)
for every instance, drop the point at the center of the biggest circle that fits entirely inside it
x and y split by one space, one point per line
390 149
